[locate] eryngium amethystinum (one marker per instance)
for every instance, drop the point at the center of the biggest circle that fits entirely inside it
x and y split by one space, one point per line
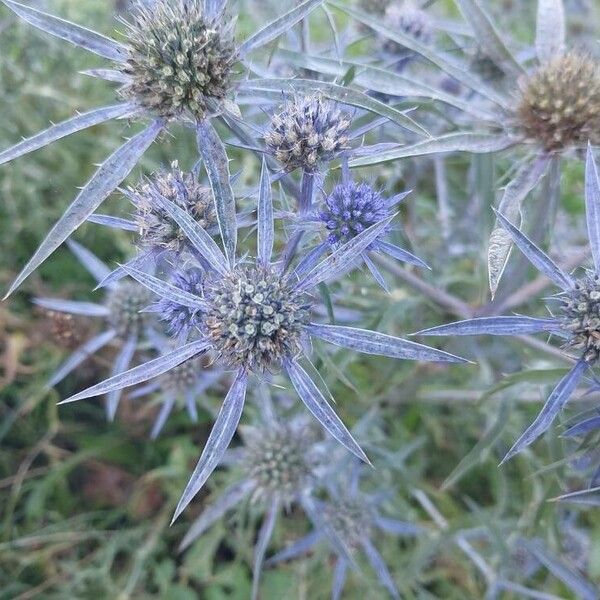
255 316
309 130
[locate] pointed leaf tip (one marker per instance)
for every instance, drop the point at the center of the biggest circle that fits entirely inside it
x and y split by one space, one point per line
222 432
104 181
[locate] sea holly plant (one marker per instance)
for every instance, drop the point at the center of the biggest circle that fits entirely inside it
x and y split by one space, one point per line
545 110
575 311
277 467
254 317
347 521
122 313
349 209
176 64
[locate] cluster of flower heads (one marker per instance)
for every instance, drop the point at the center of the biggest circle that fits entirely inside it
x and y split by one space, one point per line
192 310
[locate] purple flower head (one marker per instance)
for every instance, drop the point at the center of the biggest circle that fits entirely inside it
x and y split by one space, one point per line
350 209
178 60
255 317
580 316
180 319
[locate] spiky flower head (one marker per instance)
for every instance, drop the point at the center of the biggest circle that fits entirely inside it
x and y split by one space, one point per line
559 103
126 302
155 227
180 319
183 377
280 460
408 18
307 131
581 316
350 518
255 318
179 60
350 209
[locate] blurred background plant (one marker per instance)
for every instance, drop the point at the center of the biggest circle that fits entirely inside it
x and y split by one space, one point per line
85 505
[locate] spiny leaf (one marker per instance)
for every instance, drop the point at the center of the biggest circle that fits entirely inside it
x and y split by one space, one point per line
116 167
476 143
222 432
75 34
216 163
380 344
61 130
321 409
275 28
516 191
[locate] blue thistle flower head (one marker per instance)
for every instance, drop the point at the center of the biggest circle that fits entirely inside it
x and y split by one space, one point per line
350 209
580 316
180 319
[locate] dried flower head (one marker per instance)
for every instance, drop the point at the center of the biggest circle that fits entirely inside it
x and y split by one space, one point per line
181 319
350 209
65 330
125 303
255 318
178 59
156 229
280 460
559 104
581 316
307 131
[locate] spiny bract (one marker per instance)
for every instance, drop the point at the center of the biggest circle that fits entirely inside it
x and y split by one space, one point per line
156 229
308 130
255 318
178 59
559 104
